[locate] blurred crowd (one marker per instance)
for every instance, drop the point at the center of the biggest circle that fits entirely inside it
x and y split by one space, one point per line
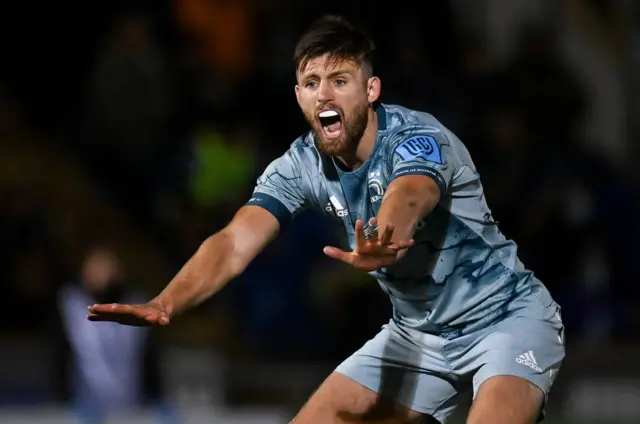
173 111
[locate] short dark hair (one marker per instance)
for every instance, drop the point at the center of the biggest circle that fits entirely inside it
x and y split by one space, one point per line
334 36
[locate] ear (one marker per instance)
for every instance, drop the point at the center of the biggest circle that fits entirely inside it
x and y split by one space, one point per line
297 93
374 85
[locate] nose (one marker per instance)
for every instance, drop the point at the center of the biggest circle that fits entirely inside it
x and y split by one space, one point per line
325 93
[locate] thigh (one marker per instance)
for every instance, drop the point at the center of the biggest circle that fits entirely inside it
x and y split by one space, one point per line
516 360
407 369
505 399
340 400
527 346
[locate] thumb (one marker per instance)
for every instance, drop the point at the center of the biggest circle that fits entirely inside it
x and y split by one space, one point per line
154 316
163 319
341 255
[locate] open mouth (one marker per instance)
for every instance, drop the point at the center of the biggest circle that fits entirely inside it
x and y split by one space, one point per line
331 123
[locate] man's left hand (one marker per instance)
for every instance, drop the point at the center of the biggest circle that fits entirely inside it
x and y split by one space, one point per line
371 252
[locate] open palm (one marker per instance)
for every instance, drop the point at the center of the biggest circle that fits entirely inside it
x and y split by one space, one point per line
371 252
134 315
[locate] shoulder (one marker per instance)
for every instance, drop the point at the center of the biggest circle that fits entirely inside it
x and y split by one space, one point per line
404 122
409 130
302 153
301 165
399 116
301 156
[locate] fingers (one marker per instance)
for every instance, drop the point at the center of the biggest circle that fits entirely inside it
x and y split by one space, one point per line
110 308
401 245
386 235
369 239
118 309
131 320
371 235
136 315
361 239
372 230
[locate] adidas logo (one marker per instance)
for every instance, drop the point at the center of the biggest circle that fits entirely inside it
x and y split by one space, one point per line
529 360
337 207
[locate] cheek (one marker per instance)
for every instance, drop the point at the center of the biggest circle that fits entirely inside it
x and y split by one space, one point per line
308 114
355 100
355 110
306 103
306 110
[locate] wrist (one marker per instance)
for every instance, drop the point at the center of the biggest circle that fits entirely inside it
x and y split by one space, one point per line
164 304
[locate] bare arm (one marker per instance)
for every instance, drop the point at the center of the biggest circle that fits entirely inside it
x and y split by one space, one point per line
279 193
220 258
421 168
407 200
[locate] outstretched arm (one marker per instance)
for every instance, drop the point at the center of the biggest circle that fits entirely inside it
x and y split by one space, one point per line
279 194
220 258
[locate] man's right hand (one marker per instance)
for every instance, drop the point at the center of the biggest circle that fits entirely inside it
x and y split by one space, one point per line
220 258
152 313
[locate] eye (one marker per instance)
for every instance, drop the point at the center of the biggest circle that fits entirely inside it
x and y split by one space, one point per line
310 84
340 81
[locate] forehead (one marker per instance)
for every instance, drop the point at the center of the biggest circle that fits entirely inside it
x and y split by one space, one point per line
324 65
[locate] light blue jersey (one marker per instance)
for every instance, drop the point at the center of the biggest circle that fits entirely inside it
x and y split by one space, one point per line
462 274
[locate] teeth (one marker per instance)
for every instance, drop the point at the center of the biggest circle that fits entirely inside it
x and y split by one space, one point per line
328 113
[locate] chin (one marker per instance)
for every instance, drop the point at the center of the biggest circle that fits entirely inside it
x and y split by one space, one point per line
334 147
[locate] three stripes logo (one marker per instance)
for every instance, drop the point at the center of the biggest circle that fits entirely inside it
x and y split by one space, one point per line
529 360
334 204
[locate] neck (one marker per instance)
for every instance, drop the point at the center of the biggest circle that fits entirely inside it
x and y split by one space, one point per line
363 150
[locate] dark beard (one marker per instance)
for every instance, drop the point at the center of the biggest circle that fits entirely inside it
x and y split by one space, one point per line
353 127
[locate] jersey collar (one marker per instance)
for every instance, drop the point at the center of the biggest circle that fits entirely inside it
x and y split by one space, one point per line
327 163
382 117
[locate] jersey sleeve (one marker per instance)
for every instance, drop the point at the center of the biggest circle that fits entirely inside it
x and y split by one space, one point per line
279 189
422 151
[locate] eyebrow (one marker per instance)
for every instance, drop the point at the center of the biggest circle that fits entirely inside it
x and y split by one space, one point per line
332 74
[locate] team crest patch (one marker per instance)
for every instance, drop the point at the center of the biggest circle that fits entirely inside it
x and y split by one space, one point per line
420 146
376 191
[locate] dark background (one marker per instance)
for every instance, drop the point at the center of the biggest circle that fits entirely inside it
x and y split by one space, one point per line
137 128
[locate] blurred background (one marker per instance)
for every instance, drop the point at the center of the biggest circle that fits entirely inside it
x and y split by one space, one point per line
132 130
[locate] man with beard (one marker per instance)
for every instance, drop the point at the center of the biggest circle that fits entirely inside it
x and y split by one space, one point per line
467 314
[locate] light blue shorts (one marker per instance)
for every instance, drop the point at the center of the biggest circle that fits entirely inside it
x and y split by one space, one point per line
427 373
